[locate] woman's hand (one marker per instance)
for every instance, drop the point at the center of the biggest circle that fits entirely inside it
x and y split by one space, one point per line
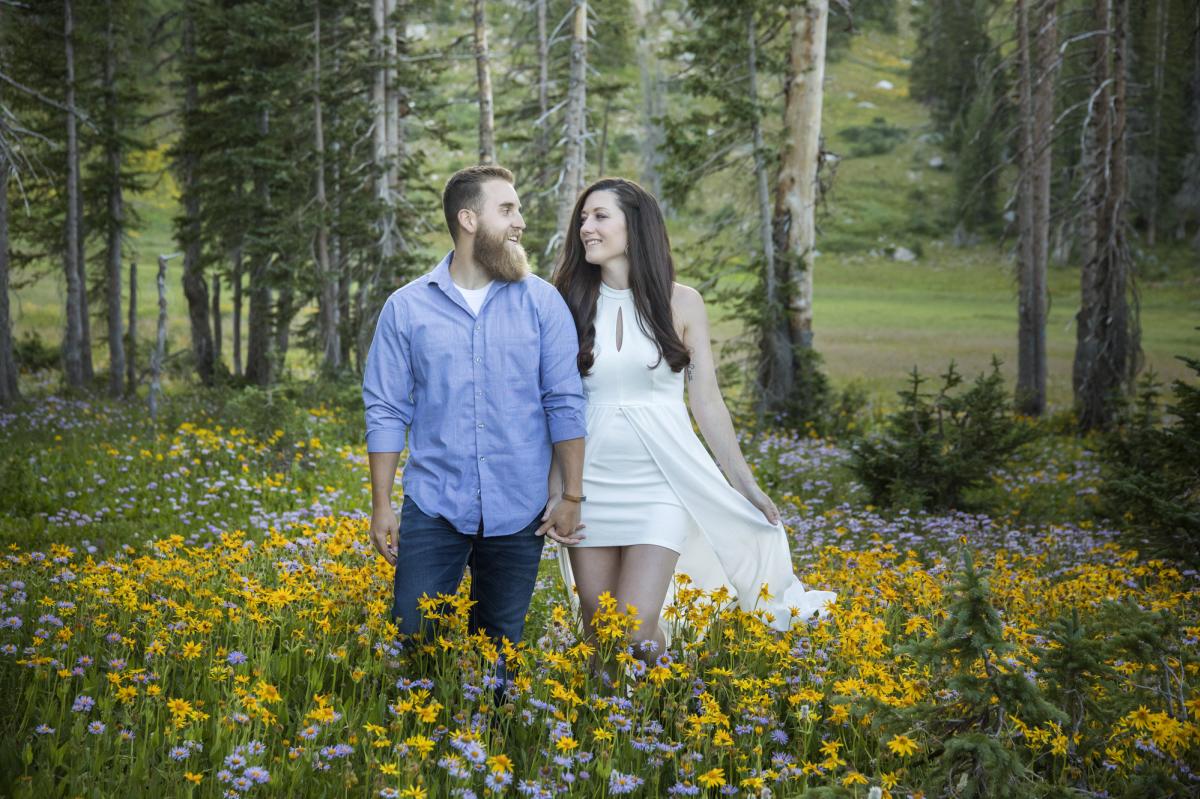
759 499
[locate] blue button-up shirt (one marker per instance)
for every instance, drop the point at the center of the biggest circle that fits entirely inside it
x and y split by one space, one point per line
484 396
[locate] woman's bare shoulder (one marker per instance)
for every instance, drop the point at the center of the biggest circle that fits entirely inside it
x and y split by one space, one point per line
686 300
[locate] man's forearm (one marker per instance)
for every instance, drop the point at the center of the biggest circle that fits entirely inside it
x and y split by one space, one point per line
383 477
569 455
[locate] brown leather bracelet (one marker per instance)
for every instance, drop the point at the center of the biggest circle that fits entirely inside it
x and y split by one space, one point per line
573 498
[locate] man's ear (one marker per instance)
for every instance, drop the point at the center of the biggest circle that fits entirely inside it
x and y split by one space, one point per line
467 220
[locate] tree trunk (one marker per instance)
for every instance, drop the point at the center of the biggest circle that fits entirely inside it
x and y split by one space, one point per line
1037 54
394 102
573 165
237 311
218 333
331 346
652 97
195 288
387 146
483 76
9 391
796 191
775 366
285 310
160 340
131 334
602 147
258 339
72 347
1159 77
85 318
543 124
1106 331
116 215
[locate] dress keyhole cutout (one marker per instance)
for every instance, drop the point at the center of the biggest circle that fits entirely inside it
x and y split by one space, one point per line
620 329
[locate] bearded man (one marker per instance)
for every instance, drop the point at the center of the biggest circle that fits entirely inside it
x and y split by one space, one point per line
475 364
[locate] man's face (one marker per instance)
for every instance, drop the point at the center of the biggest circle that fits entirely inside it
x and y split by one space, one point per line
498 230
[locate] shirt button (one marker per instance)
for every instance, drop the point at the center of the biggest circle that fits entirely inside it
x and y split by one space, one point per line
478 328
479 393
480 425
482 459
478 359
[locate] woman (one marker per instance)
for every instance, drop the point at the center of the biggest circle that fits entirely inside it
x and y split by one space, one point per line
655 503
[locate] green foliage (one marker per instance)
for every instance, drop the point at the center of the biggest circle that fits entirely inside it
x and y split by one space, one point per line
1152 467
984 690
877 138
937 446
33 355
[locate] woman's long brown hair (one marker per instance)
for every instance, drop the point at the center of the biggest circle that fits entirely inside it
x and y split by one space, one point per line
651 274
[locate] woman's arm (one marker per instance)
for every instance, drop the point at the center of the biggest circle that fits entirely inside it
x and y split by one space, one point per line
707 404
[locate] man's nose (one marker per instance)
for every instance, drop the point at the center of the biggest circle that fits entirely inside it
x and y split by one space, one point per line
519 222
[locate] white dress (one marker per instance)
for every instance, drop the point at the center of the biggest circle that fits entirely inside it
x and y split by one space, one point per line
649 480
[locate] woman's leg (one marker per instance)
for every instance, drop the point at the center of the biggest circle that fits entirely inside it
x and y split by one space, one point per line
596 570
645 577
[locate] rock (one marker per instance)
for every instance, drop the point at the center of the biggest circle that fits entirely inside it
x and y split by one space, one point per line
885 85
867 104
914 176
904 254
937 162
851 95
416 31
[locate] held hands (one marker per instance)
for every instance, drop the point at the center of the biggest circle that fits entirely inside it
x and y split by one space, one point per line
385 533
561 516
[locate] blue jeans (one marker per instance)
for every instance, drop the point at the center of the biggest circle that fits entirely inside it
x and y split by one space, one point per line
431 559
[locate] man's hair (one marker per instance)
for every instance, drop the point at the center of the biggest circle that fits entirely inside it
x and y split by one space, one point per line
464 189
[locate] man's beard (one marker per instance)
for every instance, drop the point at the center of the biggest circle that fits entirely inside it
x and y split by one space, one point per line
499 257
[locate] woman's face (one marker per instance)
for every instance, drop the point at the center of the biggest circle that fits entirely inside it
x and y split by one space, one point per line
602 228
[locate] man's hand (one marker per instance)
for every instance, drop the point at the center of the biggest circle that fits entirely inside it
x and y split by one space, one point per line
385 533
561 522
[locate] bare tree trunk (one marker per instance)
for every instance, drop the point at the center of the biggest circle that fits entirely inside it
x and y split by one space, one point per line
388 144
573 165
602 147
483 76
1160 64
285 311
775 366
1037 54
85 305
652 97
72 348
116 216
258 339
160 340
393 93
195 288
131 334
1106 331
218 332
9 390
543 124
237 311
331 346
796 191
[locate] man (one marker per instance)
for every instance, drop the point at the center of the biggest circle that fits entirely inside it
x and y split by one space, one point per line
476 363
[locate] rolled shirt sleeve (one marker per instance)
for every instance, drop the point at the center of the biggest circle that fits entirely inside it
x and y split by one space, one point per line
387 381
561 385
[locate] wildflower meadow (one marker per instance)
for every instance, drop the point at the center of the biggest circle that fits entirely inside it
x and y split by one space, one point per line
193 608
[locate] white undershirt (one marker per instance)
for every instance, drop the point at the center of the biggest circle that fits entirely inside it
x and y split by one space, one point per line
475 297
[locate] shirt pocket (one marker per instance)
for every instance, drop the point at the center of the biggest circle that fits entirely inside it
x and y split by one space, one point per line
520 357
